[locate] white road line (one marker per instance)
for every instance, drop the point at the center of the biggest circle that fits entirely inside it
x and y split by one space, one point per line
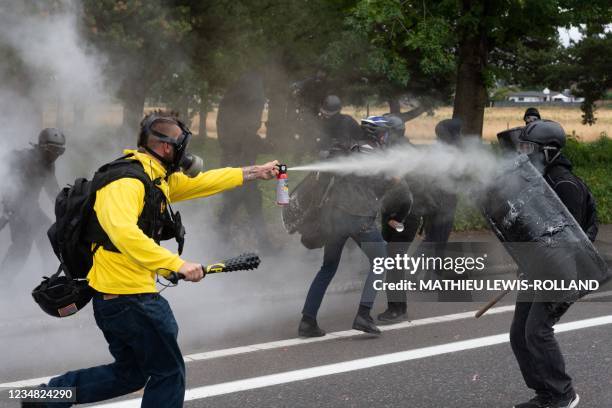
335 335
208 355
359 364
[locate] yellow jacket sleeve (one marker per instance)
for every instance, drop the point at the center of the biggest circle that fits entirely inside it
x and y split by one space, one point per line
118 206
207 183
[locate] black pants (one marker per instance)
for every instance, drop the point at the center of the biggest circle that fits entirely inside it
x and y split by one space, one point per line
26 229
538 354
248 196
365 234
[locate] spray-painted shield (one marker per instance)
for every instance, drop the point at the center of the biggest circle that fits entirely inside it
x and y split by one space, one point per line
303 214
540 233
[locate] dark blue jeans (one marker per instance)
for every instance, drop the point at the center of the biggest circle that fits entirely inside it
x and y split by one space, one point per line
141 333
342 227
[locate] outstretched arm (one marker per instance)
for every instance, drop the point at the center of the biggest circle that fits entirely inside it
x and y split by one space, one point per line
218 180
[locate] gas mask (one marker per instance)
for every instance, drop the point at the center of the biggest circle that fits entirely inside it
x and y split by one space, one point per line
188 163
50 152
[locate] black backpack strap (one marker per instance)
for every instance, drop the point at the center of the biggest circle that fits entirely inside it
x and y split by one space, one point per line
123 167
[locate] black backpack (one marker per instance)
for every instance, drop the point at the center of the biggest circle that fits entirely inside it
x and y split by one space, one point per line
589 223
76 233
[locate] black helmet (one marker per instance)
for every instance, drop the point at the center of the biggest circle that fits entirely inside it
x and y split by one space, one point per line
449 131
396 124
60 296
544 133
531 114
52 142
331 105
542 136
51 136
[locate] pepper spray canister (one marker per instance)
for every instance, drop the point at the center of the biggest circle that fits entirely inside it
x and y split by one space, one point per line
282 186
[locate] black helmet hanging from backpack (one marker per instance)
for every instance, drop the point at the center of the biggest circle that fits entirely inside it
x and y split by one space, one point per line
331 106
61 296
542 141
188 163
376 129
52 143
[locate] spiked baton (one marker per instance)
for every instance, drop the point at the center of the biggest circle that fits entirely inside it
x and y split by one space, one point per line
243 262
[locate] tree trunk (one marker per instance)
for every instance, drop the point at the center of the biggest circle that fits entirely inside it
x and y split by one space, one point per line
202 132
133 109
394 106
471 91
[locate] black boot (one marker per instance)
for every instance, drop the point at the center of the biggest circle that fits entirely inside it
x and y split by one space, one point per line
310 328
364 322
395 312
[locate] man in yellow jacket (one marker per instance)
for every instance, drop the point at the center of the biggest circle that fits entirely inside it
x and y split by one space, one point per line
136 321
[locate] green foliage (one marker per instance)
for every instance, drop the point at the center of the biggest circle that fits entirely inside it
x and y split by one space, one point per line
593 163
468 217
395 48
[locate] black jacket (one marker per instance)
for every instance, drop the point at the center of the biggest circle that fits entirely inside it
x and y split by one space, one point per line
31 173
339 132
571 190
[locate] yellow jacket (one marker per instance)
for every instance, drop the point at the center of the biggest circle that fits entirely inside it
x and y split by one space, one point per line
118 206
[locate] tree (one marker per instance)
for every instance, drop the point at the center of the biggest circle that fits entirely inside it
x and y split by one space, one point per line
390 49
142 40
512 39
589 66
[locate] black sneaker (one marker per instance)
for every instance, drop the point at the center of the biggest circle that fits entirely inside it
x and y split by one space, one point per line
565 403
539 401
394 313
365 323
310 328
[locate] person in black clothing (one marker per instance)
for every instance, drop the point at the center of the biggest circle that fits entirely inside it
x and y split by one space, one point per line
433 210
531 114
34 170
238 119
337 131
532 334
350 211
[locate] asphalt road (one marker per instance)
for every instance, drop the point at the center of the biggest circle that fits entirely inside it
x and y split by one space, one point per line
247 355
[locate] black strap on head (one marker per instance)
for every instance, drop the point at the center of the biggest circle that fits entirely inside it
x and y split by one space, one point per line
180 144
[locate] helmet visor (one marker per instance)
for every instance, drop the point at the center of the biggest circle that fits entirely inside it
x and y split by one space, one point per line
526 147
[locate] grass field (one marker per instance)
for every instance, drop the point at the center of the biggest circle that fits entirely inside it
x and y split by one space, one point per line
420 130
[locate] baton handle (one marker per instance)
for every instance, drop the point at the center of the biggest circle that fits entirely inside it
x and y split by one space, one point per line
240 263
491 303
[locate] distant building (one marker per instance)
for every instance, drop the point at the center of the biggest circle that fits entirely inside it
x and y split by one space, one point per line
546 96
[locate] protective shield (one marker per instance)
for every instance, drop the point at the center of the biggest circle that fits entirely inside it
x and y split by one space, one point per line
539 232
508 139
303 213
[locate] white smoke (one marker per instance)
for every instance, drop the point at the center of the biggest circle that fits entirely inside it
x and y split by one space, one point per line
453 169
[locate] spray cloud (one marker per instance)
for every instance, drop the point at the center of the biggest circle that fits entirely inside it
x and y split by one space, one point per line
452 169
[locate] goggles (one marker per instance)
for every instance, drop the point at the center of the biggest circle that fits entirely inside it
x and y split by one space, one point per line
527 147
